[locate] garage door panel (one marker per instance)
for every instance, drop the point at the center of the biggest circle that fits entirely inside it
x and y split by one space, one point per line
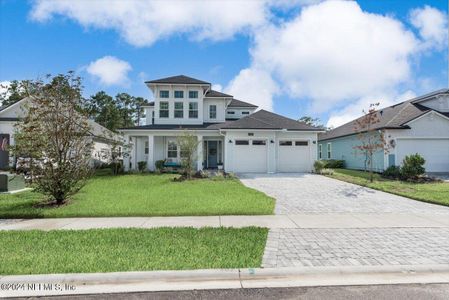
250 158
434 151
293 156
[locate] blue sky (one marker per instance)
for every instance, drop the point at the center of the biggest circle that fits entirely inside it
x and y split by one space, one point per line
326 59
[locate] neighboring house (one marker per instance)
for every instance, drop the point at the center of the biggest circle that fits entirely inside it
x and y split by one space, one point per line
103 139
230 132
419 125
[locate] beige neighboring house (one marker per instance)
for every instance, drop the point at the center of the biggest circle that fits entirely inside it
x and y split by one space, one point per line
103 139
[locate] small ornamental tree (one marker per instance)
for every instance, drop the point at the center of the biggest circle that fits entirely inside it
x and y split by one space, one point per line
188 144
54 137
370 139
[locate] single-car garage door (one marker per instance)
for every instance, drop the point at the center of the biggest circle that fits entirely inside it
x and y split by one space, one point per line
434 151
293 156
250 156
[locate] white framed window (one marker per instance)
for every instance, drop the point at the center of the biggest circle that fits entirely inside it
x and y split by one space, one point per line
172 150
245 112
193 94
320 151
259 142
301 143
193 110
231 112
329 150
285 143
212 111
242 142
163 109
147 148
164 94
179 110
179 94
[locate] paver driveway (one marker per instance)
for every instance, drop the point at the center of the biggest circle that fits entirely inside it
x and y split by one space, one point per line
309 193
334 245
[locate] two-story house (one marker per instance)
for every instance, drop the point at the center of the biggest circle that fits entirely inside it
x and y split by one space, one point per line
231 132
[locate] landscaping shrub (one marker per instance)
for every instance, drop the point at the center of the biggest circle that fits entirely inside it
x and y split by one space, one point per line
318 165
142 166
326 171
413 166
160 164
393 172
334 164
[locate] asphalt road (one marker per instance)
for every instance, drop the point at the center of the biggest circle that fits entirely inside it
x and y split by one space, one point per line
409 292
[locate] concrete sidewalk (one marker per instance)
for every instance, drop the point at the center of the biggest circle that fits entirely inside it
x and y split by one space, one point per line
123 282
336 220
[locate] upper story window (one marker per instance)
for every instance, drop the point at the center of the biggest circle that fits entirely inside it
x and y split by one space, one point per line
164 94
329 150
179 110
179 94
193 94
231 112
163 109
193 110
245 112
212 112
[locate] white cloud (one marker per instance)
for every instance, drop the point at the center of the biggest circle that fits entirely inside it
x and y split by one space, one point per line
217 87
432 26
110 70
255 86
356 108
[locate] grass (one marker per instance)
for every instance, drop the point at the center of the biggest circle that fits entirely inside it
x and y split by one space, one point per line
145 195
116 250
437 193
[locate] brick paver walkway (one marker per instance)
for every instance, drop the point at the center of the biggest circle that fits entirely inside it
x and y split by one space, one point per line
355 247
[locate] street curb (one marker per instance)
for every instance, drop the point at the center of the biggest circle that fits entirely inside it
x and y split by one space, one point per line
123 282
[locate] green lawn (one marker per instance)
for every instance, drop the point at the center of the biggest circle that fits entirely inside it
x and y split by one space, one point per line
437 193
145 195
115 250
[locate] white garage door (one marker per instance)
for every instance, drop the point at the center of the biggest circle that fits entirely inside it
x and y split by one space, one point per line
293 156
250 156
434 151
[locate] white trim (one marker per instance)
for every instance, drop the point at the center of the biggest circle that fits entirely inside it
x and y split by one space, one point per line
429 112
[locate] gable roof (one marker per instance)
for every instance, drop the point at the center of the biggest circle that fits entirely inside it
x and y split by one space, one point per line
213 93
393 117
179 79
240 103
267 120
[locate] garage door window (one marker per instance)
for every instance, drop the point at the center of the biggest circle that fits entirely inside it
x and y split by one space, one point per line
285 143
242 142
259 142
301 143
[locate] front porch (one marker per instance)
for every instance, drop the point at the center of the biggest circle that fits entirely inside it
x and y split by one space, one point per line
153 148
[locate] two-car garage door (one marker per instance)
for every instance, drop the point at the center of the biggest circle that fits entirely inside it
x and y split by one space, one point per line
434 151
252 156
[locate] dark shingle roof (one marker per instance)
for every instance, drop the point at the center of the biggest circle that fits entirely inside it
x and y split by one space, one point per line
392 117
205 126
180 79
212 93
239 103
267 120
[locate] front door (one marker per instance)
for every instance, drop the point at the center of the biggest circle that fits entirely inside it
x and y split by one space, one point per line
212 154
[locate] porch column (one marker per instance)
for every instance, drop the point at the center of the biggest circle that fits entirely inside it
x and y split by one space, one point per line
199 153
126 155
150 161
134 153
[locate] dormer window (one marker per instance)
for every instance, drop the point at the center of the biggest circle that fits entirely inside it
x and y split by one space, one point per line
193 94
164 94
212 112
245 112
179 94
163 110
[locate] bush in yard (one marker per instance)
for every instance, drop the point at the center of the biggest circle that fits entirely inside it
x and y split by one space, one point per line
188 143
326 171
393 172
318 165
413 166
334 164
160 164
142 166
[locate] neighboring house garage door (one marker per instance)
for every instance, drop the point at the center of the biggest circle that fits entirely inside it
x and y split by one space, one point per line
434 151
293 156
250 156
